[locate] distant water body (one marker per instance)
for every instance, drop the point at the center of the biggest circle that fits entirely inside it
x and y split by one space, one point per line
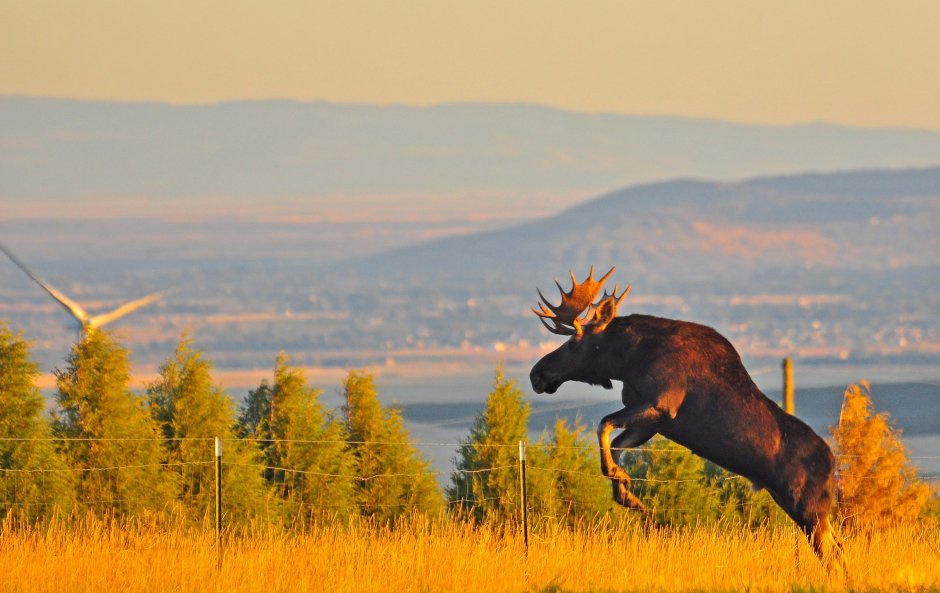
440 411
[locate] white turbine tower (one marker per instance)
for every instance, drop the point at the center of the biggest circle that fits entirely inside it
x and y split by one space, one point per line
88 322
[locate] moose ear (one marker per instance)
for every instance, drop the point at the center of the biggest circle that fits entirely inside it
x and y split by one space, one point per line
606 311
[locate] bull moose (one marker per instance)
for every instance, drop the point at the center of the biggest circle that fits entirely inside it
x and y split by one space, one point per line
686 382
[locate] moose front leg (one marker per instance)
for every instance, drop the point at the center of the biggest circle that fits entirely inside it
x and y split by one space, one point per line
639 426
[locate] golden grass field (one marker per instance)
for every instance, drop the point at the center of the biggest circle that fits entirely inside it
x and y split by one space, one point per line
449 556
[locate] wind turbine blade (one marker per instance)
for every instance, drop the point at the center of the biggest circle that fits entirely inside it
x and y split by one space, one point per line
104 318
71 306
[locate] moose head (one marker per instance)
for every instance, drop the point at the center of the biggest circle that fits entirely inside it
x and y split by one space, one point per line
581 358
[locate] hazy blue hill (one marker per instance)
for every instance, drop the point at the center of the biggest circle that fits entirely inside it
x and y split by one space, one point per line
876 184
809 198
64 149
676 232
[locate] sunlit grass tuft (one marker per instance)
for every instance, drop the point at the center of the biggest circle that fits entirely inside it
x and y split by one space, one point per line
423 555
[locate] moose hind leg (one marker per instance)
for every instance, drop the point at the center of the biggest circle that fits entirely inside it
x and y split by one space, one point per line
638 425
815 506
828 549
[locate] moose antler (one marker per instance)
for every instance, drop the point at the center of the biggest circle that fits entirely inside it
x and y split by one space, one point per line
567 318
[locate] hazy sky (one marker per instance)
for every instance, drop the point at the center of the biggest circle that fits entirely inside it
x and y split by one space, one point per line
859 62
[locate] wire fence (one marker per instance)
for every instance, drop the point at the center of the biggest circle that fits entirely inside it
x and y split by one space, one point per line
417 444
192 473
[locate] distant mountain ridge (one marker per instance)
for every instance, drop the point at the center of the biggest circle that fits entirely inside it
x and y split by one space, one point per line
68 150
689 231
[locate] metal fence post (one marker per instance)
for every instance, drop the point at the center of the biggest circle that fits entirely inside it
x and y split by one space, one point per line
788 403
218 498
525 500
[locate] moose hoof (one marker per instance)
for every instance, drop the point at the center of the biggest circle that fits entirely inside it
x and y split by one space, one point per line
624 497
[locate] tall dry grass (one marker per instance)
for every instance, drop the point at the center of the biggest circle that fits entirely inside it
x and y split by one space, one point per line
448 556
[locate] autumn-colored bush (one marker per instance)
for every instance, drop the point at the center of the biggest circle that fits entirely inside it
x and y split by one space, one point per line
879 485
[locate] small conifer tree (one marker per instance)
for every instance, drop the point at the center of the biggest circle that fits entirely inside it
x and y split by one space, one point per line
486 483
34 482
110 435
565 482
394 480
191 411
879 485
309 465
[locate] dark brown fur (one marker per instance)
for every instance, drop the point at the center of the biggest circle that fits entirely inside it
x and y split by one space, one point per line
686 382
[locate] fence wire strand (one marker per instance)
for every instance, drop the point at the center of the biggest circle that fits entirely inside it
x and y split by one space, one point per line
187 469
418 444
